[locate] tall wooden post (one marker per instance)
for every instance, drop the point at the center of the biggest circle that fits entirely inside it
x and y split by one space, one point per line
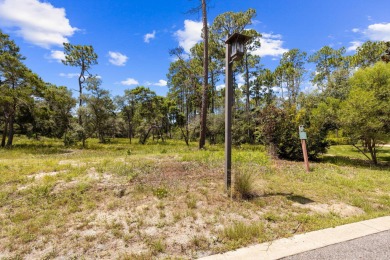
228 118
234 53
305 157
303 137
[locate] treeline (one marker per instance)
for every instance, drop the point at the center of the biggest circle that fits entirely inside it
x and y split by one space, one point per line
271 104
348 104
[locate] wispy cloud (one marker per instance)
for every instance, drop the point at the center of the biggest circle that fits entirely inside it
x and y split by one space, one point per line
69 75
149 36
117 58
38 23
191 34
129 82
76 75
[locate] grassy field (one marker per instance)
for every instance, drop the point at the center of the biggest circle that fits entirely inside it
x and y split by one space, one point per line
167 200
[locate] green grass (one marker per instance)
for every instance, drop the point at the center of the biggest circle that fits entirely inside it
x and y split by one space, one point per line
347 154
147 196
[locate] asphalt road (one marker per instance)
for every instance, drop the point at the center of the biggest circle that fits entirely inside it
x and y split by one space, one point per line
376 246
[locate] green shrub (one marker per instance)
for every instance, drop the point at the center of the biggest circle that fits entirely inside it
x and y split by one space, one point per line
278 128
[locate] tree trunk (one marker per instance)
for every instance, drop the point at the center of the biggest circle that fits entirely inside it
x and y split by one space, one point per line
247 103
11 124
81 81
372 150
11 130
202 140
143 140
5 131
129 131
247 84
212 93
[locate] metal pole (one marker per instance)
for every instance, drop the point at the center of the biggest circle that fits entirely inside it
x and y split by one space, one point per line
228 119
305 157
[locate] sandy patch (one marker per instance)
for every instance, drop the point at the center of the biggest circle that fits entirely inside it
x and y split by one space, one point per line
341 209
44 174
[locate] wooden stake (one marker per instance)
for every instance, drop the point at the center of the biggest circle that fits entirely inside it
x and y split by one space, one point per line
305 157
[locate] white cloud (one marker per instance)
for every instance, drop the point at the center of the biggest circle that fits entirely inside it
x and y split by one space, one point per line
307 87
191 34
70 75
149 36
57 55
129 82
220 87
39 23
271 45
378 32
240 80
117 58
355 30
354 46
161 83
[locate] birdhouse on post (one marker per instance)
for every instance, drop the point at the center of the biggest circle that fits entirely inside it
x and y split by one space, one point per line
237 41
235 47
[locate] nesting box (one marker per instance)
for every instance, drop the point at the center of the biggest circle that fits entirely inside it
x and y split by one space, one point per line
237 41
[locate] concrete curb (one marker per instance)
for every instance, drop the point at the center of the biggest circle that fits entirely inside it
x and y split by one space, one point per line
306 242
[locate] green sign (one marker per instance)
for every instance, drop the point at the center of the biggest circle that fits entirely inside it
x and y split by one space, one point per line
302 135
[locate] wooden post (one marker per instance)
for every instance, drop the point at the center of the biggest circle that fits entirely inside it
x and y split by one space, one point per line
303 137
228 119
305 157
237 40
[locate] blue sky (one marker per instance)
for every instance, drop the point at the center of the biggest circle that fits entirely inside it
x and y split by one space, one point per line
133 38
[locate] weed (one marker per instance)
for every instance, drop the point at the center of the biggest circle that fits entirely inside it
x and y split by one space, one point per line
191 202
90 238
157 247
244 232
160 192
177 217
160 205
162 214
199 242
271 217
51 255
141 256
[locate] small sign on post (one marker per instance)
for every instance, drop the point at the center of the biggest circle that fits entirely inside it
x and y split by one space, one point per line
303 137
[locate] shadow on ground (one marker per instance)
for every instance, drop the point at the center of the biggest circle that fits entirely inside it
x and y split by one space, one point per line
384 161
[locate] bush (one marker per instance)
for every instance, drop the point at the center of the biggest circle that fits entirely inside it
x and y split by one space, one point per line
277 128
